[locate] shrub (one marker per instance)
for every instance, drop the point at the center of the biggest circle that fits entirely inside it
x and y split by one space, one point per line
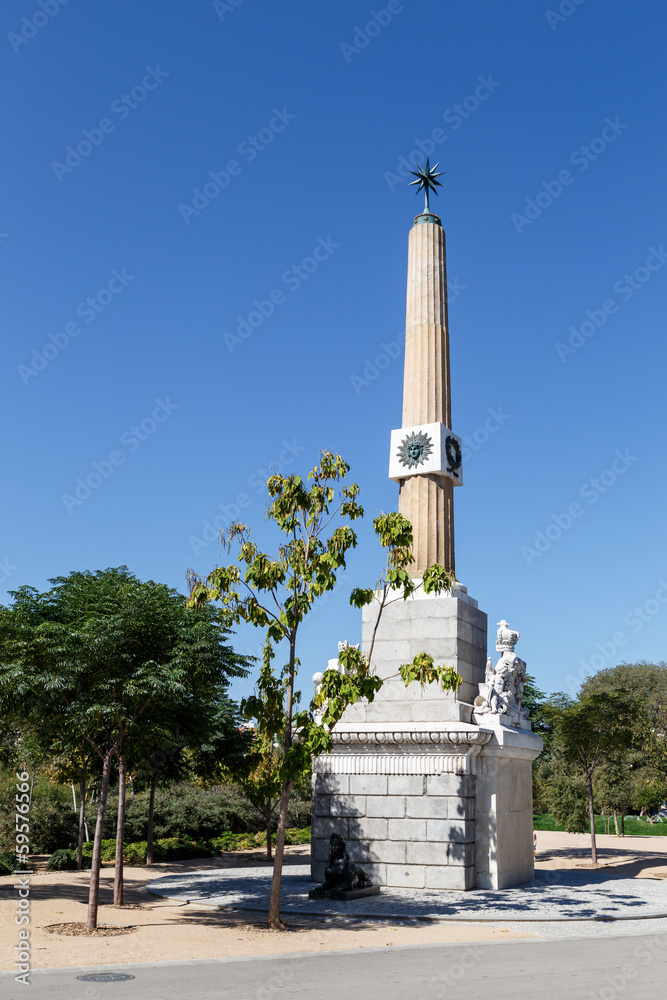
8 862
180 849
62 861
297 836
185 810
228 841
53 822
165 849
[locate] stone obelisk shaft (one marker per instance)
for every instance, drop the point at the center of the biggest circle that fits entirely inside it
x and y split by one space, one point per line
427 500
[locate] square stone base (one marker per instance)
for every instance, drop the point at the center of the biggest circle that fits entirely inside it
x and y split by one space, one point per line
452 629
409 831
425 798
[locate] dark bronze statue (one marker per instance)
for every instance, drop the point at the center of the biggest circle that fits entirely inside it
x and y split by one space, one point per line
341 875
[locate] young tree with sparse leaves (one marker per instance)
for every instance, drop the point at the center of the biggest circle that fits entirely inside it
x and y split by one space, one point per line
276 594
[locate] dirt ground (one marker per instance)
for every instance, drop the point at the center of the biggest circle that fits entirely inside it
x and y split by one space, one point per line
630 857
169 930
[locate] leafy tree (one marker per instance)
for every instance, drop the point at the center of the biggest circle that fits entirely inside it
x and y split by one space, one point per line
647 683
548 779
276 594
109 653
566 799
614 788
591 731
73 762
649 795
645 767
259 775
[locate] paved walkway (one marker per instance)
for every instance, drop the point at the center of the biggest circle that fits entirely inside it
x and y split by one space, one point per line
513 970
562 895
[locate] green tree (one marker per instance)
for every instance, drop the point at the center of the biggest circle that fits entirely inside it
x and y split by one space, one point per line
591 731
548 779
566 798
649 795
647 683
276 594
614 788
107 655
73 762
259 775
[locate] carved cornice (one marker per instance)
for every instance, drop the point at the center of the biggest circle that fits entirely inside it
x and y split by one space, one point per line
450 737
394 763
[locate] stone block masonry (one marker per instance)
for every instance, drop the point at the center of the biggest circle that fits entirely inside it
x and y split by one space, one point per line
403 829
449 627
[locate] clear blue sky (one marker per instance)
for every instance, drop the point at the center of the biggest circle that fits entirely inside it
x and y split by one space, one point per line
303 111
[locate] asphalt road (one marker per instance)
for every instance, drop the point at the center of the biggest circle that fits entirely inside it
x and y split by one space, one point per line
566 969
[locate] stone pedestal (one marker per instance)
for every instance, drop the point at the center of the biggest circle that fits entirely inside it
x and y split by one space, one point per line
424 797
449 627
504 800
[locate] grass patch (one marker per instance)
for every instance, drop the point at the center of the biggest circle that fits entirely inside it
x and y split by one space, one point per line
633 827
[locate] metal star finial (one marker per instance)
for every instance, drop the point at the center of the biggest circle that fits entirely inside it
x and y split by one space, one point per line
427 179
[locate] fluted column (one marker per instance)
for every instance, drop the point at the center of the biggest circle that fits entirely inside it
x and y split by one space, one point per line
427 500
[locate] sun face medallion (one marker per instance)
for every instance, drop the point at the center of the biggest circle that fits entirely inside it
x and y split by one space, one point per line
414 450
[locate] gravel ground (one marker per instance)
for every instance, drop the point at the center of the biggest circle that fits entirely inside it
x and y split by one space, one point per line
557 904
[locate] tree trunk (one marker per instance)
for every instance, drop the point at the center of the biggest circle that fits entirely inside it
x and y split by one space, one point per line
82 816
149 832
268 815
120 830
623 823
591 810
94 892
616 822
274 921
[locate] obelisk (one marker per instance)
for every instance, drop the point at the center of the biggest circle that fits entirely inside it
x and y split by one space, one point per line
430 789
425 455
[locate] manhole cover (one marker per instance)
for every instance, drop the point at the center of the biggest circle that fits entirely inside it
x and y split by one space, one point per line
105 977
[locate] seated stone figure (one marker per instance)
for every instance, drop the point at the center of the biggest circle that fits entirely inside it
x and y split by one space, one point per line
341 875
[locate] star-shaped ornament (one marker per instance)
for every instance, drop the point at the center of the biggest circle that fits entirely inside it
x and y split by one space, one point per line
427 178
